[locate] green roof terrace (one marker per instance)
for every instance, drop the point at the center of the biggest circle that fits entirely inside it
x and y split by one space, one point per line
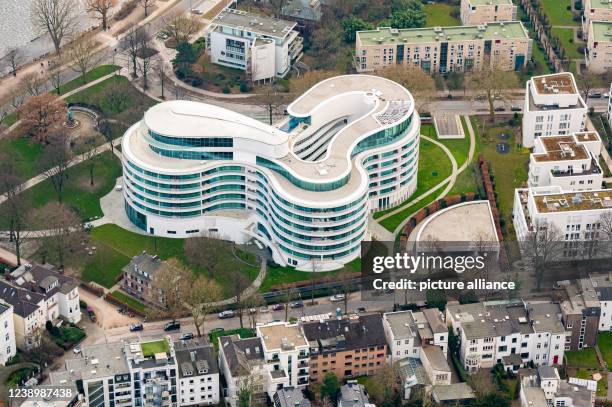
490 31
602 31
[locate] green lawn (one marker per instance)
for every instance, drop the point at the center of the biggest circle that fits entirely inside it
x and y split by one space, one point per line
566 36
392 222
243 332
469 180
284 275
131 111
125 244
95 73
604 341
434 167
25 153
10 119
439 15
538 56
151 348
585 358
78 193
509 170
129 300
558 13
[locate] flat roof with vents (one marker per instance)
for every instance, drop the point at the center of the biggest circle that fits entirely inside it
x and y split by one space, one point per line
605 4
561 148
490 31
574 201
268 26
602 31
555 84
282 336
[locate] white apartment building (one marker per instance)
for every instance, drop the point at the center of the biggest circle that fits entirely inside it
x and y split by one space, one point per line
501 45
38 295
487 11
435 365
147 373
407 332
263 46
285 350
595 10
599 46
610 105
491 334
553 106
544 388
303 189
570 162
241 362
576 216
198 372
8 347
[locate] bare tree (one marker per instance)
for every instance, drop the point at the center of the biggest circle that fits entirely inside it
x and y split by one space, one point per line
208 253
289 295
271 100
145 64
55 162
146 5
587 81
422 86
116 96
172 280
307 80
56 17
482 383
200 298
13 59
42 116
277 7
491 81
240 283
181 28
385 385
42 349
162 72
33 84
56 77
102 9
88 148
133 43
249 384
83 56
252 303
15 207
16 97
543 246
63 231
105 128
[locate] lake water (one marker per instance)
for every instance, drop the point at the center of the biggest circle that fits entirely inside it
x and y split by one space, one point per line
15 25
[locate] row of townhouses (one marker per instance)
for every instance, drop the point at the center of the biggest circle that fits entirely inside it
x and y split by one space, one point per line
30 296
144 373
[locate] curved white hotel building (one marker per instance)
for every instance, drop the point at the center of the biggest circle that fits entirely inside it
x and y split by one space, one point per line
303 189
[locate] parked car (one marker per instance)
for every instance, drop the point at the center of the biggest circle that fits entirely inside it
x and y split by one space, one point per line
594 95
76 350
515 108
264 309
91 314
337 297
172 326
361 310
252 311
136 327
297 304
278 307
499 109
218 329
186 336
226 314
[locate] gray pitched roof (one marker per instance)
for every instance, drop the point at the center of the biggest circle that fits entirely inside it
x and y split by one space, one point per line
23 301
240 353
348 333
290 397
143 263
195 355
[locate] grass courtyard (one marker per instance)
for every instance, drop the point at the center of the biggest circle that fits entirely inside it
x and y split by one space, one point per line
24 151
558 13
585 358
115 247
604 341
440 15
509 170
602 384
566 36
